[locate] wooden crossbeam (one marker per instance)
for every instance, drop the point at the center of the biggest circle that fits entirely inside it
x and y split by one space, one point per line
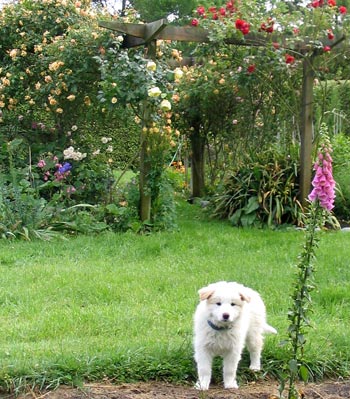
141 34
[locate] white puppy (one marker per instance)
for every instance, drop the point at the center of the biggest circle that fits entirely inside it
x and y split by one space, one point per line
228 316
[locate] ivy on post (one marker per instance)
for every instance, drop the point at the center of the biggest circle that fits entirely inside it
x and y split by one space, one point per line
145 164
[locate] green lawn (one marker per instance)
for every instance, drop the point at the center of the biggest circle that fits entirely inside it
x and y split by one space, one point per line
121 305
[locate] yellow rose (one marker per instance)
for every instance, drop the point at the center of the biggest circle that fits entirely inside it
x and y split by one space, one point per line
154 92
165 105
151 66
178 73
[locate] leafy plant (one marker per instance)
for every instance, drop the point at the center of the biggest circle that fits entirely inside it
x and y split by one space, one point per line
262 191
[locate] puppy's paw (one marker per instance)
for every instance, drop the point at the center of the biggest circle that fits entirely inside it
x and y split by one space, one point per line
202 385
231 384
255 367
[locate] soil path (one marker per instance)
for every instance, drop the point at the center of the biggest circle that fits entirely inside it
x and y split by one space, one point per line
157 390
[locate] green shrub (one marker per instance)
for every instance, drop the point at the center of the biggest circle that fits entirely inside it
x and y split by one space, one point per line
341 173
261 192
70 192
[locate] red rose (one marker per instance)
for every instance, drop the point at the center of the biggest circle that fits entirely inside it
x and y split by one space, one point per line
315 4
251 68
222 11
212 9
289 59
267 26
343 10
194 22
230 6
332 3
330 34
200 10
243 26
276 45
326 49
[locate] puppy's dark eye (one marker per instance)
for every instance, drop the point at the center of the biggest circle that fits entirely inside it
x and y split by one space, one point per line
233 304
218 303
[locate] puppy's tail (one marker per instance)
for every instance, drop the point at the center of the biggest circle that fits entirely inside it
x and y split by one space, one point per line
269 329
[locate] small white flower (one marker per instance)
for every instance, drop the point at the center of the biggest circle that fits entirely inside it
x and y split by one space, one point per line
104 140
109 148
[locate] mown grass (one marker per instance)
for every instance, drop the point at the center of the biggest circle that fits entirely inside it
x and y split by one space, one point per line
120 306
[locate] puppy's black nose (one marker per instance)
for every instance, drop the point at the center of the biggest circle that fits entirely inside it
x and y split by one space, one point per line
225 316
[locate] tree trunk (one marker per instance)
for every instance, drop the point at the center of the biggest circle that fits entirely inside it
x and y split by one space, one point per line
197 164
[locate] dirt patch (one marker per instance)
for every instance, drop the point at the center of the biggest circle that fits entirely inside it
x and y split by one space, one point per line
156 390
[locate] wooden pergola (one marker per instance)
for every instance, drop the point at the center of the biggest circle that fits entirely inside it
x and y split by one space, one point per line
148 34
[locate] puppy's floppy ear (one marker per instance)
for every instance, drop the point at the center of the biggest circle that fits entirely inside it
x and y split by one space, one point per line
244 297
205 293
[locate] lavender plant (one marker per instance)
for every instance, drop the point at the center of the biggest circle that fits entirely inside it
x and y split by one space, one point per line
321 203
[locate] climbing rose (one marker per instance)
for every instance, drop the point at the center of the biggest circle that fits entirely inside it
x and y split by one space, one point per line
323 182
330 34
151 66
343 10
194 22
289 59
178 73
243 26
154 92
165 105
201 10
332 3
326 49
251 68
267 26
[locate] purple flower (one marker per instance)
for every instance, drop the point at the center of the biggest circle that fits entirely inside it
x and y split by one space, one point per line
323 182
65 168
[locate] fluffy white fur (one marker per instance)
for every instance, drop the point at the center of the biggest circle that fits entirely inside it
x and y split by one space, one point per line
228 317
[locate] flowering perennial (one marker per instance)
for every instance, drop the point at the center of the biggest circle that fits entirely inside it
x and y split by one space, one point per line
323 182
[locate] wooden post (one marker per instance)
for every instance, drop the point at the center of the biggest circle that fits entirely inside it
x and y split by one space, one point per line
145 165
144 189
150 32
306 129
